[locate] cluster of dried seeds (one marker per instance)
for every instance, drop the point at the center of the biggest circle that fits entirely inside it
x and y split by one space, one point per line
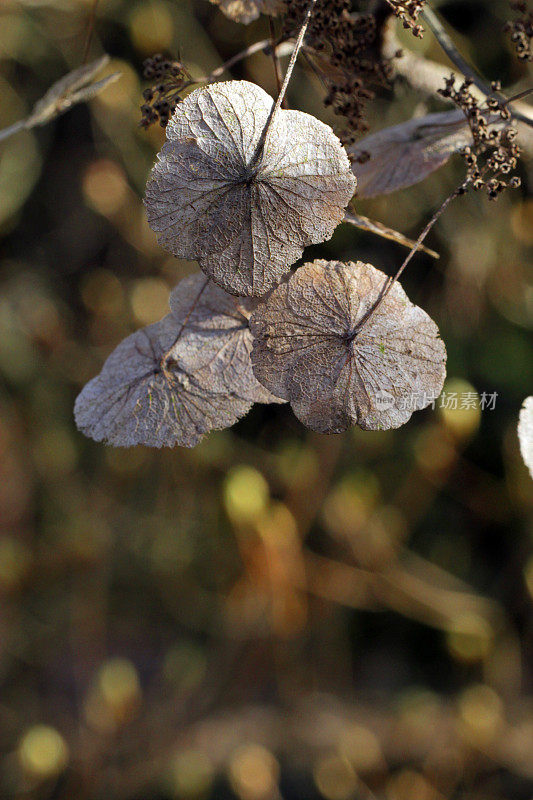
168 79
494 152
408 11
344 50
521 29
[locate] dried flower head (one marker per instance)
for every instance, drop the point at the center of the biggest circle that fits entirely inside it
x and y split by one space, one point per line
408 11
314 346
243 206
173 381
169 79
521 29
494 152
344 49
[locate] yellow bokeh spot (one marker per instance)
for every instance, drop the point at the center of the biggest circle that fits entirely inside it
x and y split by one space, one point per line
433 450
254 772
335 778
459 408
191 775
115 695
124 92
105 187
480 714
469 637
149 300
362 748
151 27
350 503
43 752
246 494
119 682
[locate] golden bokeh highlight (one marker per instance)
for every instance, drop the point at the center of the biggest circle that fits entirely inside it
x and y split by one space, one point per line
335 778
460 409
480 714
149 300
115 696
469 637
254 773
105 187
246 494
43 752
361 747
151 28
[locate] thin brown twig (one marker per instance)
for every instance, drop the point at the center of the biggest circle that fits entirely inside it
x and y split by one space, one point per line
288 75
389 283
90 30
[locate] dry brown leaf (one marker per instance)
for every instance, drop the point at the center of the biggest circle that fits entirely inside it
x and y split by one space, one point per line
246 218
247 10
307 350
174 381
75 87
525 433
407 153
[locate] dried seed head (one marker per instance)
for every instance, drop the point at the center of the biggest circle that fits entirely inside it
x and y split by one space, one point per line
494 152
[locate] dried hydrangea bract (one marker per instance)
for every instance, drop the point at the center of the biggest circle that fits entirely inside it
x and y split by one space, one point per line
405 154
309 350
174 381
525 433
243 210
246 11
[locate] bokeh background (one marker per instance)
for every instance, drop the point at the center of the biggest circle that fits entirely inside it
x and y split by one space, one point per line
274 614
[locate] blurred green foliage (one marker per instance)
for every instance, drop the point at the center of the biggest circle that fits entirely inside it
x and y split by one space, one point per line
275 613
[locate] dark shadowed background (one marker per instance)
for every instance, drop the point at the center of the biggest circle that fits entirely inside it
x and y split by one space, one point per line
274 614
